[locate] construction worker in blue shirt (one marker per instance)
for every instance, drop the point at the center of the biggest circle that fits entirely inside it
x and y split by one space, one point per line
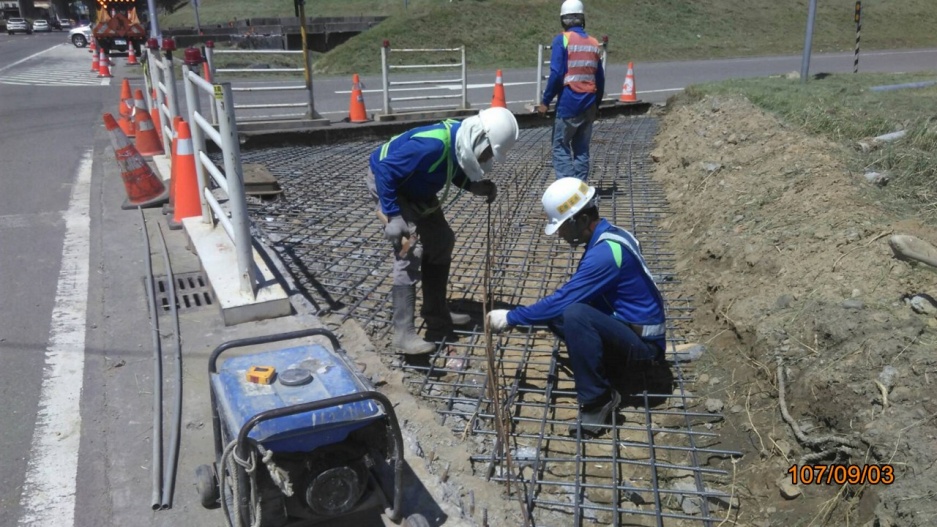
610 313
577 78
404 177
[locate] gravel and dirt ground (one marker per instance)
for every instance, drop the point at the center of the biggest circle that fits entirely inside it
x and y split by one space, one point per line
785 251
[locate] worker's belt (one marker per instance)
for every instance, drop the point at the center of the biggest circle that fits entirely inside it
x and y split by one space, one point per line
649 332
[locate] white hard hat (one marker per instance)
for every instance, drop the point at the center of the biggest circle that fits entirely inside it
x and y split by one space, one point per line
563 199
572 7
500 129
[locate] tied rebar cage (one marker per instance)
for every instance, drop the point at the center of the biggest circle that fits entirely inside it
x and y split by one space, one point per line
658 462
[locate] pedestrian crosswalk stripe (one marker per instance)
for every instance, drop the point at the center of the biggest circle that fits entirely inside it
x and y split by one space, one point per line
62 67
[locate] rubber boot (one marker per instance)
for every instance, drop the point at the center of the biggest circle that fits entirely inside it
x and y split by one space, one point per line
405 338
435 310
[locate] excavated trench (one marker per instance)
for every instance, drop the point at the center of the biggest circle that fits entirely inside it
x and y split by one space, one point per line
660 462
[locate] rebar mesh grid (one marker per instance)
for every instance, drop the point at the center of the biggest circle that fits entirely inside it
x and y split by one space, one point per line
658 461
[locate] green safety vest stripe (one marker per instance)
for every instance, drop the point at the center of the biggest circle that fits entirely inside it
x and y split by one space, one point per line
616 252
442 134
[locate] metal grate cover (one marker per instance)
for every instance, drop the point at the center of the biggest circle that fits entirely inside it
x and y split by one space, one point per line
192 292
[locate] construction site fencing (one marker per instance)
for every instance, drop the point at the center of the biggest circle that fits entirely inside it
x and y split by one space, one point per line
162 78
415 85
541 63
230 179
305 102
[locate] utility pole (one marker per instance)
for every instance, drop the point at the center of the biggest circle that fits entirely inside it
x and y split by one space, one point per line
154 24
808 42
198 26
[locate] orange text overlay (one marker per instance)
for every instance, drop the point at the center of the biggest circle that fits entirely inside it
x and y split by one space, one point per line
842 474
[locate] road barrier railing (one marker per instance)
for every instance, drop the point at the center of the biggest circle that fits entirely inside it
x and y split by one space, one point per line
418 85
162 78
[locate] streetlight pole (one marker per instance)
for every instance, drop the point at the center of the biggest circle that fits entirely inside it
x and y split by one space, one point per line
154 24
808 42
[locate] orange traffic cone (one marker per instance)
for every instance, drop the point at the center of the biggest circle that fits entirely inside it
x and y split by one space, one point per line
132 57
498 100
628 89
95 67
169 208
92 47
187 193
144 188
356 111
148 143
104 69
154 114
125 105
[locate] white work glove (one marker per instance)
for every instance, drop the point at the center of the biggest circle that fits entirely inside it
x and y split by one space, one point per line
396 229
498 320
485 187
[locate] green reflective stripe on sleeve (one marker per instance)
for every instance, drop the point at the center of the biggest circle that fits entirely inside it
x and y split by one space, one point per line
616 251
386 147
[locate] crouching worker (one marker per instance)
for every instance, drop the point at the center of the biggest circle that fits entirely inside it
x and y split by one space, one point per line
610 313
404 177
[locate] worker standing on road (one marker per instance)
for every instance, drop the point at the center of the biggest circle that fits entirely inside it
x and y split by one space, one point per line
404 177
578 80
610 313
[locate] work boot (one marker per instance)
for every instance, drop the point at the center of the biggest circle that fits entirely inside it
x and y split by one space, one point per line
435 310
405 338
595 418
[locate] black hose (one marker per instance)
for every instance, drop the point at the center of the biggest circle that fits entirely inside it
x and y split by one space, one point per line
173 458
157 373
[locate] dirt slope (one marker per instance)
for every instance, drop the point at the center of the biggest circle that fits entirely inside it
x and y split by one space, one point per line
787 257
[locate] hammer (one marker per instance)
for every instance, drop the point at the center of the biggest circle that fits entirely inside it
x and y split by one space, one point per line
405 243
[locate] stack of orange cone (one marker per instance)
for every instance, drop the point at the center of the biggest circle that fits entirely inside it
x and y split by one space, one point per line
356 110
628 90
148 143
144 188
132 57
125 109
95 67
498 100
187 202
104 69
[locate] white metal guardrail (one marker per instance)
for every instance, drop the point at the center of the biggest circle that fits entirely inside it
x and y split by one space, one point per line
411 85
307 103
162 78
541 63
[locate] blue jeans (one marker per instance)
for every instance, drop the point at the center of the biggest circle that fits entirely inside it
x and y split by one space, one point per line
596 342
571 137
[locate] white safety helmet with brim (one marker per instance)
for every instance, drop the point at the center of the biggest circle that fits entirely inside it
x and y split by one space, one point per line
563 199
572 7
500 129
494 128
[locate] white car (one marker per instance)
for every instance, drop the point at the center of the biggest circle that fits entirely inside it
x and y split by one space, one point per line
19 25
41 26
80 36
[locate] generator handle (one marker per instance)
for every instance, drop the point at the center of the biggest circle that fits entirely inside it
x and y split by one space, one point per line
266 339
380 398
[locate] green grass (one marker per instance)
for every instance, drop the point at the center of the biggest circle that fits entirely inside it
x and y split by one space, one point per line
504 33
842 108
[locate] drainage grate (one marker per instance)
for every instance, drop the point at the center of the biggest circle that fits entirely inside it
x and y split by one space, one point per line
192 292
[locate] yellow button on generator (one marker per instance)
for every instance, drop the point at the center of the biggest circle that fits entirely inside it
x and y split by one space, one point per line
261 374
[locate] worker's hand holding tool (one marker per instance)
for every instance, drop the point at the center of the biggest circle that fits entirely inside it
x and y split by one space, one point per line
485 187
396 229
498 320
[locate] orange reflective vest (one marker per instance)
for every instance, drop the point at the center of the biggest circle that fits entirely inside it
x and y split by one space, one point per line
582 62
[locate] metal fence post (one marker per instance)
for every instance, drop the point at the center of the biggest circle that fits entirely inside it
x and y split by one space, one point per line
231 153
385 71
465 103
539 93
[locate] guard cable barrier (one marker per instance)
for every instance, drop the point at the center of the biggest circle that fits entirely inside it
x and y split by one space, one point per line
415 85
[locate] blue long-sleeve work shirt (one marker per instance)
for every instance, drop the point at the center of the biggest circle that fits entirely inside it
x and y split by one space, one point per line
622 291
570 103
408 168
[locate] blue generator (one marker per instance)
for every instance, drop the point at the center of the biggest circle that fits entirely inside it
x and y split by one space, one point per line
300 439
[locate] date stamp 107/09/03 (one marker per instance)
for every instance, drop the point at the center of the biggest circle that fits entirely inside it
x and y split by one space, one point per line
842 474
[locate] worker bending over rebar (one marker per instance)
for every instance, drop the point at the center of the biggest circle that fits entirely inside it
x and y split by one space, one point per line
405 175
610 313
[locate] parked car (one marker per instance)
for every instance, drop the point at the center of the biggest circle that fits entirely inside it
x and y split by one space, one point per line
41 26
80 36
19 25
61 23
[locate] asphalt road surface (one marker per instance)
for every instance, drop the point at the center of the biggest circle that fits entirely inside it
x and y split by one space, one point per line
52 147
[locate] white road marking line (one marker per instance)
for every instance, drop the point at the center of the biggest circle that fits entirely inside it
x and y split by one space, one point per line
34 55
48 498
450 87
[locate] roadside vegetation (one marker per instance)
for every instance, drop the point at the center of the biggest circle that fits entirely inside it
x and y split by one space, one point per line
505 33
844 109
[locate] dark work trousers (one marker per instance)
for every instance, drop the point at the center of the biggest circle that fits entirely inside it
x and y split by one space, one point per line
595 343
435 238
